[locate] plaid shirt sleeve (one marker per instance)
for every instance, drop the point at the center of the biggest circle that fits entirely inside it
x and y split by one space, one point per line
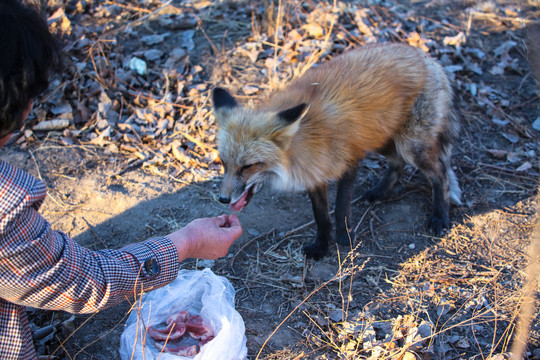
46 269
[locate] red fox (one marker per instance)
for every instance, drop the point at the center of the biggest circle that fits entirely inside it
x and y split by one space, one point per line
389 98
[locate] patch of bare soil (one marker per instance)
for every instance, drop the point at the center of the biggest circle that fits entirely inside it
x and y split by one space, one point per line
137 158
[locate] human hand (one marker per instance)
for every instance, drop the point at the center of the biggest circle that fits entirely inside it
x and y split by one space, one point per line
206 238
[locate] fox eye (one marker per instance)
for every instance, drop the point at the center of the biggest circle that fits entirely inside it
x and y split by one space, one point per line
248 166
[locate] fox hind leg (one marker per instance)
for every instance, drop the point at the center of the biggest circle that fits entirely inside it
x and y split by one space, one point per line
439 219
344 230
435 165
319 203
390 177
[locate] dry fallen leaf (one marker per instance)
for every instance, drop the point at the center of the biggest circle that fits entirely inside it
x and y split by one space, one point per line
49 125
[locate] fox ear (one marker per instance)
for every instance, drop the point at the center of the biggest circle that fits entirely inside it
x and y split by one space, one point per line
223 103
293 114
289 122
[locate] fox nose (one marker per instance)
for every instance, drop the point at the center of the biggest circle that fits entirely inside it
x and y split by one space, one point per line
224 199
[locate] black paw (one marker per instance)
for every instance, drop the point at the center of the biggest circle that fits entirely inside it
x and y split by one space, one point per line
373 195
438 225
315 251
344 238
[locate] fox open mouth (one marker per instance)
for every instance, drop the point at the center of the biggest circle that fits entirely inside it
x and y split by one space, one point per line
244 199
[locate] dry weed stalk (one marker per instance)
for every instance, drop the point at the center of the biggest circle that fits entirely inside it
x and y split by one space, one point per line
528 303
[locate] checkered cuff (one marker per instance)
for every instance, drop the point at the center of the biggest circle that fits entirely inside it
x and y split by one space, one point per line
158 259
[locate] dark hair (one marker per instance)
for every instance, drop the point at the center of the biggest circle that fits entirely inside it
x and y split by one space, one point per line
28 52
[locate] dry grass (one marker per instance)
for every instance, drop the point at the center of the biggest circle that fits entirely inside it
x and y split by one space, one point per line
470 283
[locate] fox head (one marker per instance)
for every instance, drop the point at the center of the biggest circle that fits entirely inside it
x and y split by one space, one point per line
252 146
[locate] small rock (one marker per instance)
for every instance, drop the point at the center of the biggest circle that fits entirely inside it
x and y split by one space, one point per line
138 65
496 70
536 124
377 352
110 11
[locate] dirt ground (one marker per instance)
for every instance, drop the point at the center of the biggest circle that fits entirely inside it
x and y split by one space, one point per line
466 285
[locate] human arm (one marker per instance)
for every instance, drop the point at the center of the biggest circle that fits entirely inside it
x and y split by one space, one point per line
46 269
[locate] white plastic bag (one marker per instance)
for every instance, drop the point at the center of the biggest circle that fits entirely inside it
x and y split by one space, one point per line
199 293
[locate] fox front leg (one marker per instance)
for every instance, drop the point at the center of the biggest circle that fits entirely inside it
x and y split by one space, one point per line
344 231
319 202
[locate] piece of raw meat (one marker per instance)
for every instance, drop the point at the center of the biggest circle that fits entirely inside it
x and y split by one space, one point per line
183 335
172 331
195 327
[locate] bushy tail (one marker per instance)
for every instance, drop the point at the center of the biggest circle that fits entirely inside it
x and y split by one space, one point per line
452 130
455 191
